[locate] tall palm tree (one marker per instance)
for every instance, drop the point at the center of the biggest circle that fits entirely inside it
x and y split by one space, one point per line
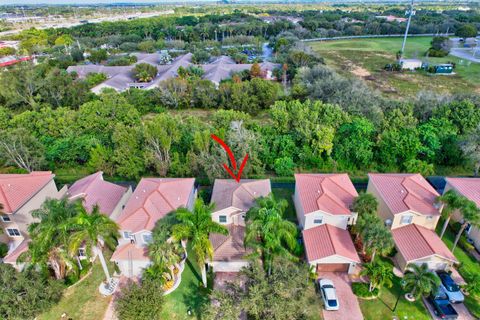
451 201
420 281
268 233
49 237
90 229
165 255
196 226
380 274
470 214
377 238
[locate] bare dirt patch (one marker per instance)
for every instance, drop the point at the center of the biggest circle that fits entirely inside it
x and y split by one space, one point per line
360 72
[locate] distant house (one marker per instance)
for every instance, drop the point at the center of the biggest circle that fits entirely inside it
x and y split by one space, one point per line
322 203
152 200
20 194
11 60
93 190
470 189
407 205
391 18
410 64
232 200
121 78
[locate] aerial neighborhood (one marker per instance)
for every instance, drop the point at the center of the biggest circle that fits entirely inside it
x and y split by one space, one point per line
224 160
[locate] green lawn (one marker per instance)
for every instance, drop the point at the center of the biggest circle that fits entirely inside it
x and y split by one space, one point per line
286 193
381 308
468 264
82 302
367 58
190 295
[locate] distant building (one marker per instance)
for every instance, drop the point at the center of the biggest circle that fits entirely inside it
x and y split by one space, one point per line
391 18
121 78
11 60
410 64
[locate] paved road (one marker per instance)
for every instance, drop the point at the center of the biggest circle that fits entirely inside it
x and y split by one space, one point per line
466 53
349 306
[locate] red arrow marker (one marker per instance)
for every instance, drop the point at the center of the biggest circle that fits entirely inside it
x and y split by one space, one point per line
232 160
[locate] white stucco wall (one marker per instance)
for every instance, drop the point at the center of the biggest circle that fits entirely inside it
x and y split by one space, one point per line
228 266
120 205
232 214
299 208
137 267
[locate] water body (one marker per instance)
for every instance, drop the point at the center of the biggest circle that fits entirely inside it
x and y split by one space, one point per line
267 52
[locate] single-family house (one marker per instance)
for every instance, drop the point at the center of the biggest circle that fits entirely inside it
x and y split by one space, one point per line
322 203
470 189
404 199
93 190
20 194
232 200
152 200
407 205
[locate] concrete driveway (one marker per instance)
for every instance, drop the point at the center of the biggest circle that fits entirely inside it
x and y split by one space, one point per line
463 313
349 307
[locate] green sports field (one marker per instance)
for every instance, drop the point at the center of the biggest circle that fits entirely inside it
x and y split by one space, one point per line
366 58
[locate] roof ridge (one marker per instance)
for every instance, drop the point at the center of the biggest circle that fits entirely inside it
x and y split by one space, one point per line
422 235
228 236
335 199
338 175
330 238
5 197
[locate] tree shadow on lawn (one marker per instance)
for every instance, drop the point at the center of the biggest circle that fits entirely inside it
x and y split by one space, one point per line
196 297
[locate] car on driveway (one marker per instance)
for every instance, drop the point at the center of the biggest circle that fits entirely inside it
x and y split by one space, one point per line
441 306
329 294
451 288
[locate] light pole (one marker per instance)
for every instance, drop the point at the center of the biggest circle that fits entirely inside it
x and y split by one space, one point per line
410 14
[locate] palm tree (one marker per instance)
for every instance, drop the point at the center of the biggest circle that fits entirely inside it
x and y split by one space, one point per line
470 214
268 233
364 222
377 238
420 281
165 255
197 226
365 203
90 229
451 201
380 274
49 237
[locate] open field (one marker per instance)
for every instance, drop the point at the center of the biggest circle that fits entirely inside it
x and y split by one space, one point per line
366 58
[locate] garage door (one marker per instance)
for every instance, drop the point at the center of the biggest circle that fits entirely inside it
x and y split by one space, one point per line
335 267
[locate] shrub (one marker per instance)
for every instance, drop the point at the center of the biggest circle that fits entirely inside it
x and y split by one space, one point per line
144 72
93 79
140 301
360 289
3 249
437 53
284 166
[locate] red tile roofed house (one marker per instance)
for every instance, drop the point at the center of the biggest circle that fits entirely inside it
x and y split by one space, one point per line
404 199
322 202
232 200
20 194
324 198
93 190
419 245
330 248
470 189
153 199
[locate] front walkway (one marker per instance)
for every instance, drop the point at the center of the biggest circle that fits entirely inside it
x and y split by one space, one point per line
349 306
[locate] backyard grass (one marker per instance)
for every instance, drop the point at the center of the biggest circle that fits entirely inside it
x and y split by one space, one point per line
286 193
366 58
190 295
83 301
381 308
468 264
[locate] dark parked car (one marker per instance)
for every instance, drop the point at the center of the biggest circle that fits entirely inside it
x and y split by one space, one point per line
441 306
451 288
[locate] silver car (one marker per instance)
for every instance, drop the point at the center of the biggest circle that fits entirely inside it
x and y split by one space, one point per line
329 295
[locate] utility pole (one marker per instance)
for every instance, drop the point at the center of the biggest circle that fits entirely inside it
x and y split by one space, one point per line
410 14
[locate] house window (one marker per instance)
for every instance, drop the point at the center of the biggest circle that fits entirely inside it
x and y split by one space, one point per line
147 238
6 218
222 219
81 252
429 217
406 219
318 220
127 234
13 232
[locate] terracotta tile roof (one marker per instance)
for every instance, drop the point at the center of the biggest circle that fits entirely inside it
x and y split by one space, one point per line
403 192
129 251
467 187
327 240
152 200
94 190
229 193
12 256
230 247
331 193
415 242
17 189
